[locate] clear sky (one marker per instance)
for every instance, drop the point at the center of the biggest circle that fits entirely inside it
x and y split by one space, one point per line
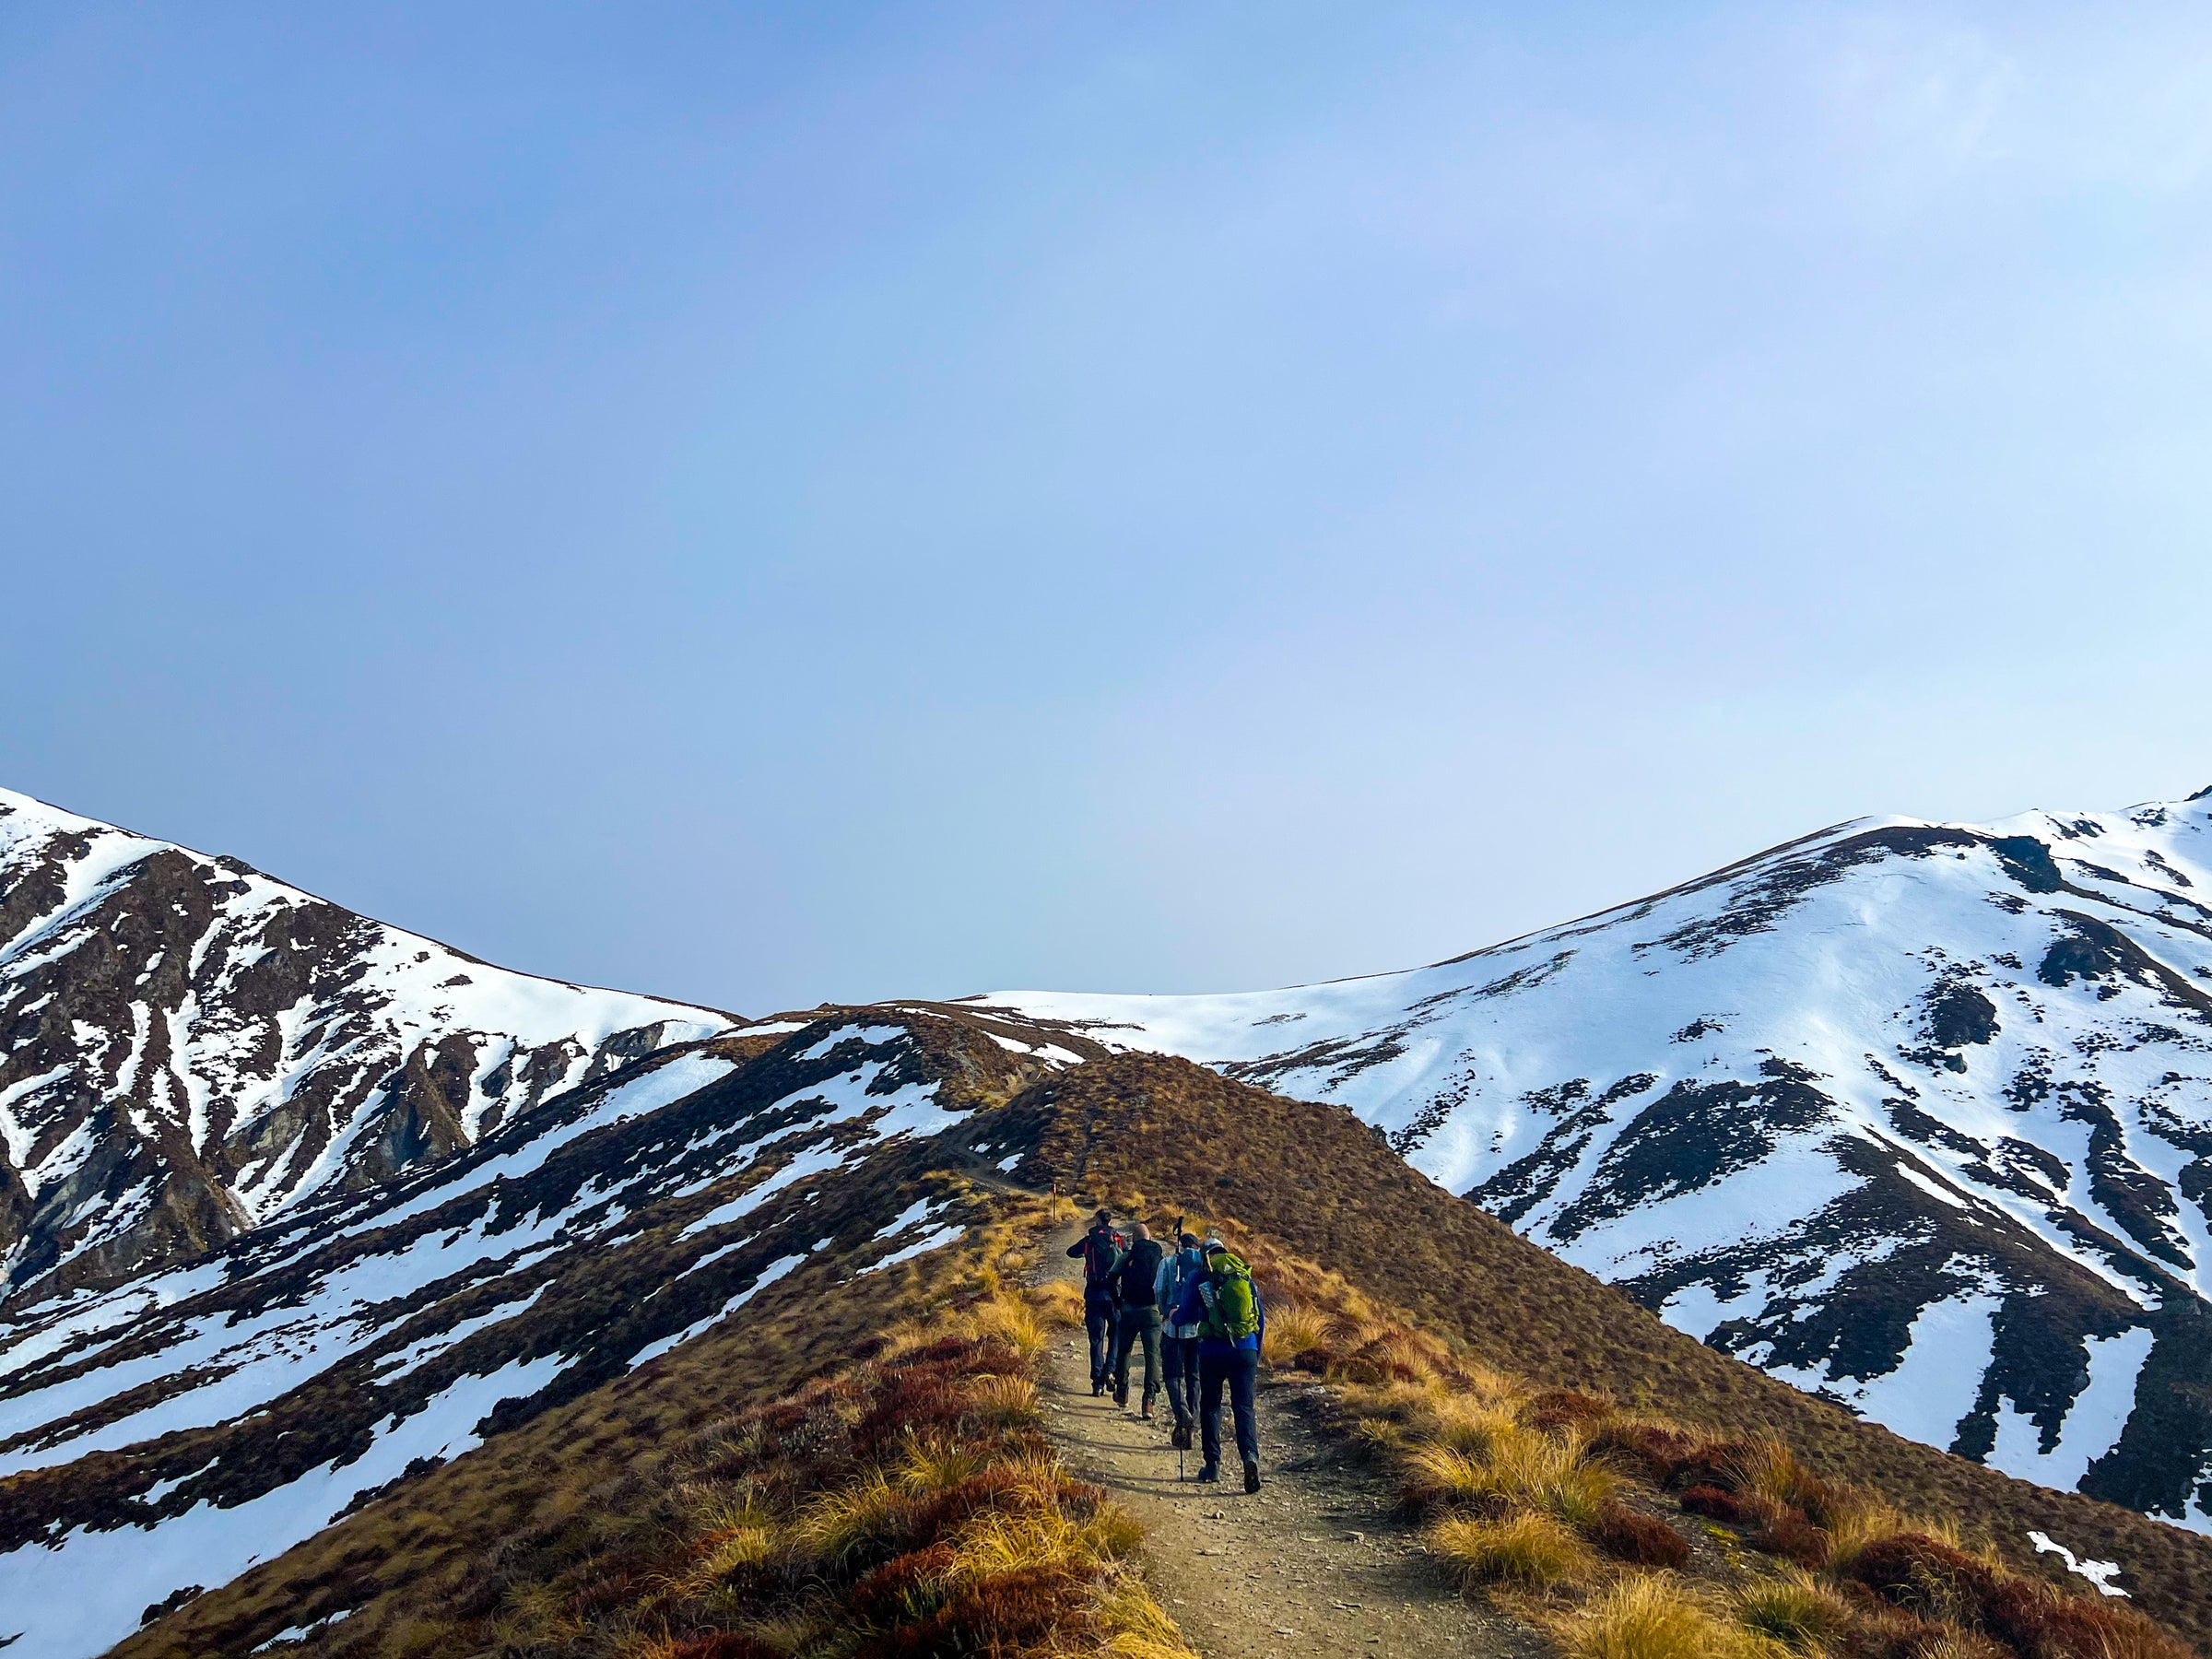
766 504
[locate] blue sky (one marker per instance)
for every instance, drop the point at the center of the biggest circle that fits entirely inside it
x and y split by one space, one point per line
766 505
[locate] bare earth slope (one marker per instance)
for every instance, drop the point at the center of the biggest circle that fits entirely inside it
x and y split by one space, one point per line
188 1048
1915 1116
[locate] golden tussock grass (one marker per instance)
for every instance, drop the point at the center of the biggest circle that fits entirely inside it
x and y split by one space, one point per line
1656 1616
1293 1329
1794 1610
1530 1551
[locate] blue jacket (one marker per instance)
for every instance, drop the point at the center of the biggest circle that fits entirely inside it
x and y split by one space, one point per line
1175 1276
1192 1309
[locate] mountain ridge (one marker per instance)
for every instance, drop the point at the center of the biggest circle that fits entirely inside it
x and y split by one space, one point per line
193 1046
1892 1072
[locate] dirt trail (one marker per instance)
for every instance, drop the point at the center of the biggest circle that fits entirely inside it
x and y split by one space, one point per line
1316 1563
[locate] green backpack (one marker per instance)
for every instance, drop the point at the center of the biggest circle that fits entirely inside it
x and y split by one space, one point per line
1232 1311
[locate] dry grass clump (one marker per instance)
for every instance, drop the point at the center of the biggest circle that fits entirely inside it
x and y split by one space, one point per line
1293 1332
1794 1610
1655 1617
1059 1303
1532 1551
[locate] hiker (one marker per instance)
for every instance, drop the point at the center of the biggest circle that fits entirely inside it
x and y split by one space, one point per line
1100 1249
1178 1342
1137 1283
1225 1304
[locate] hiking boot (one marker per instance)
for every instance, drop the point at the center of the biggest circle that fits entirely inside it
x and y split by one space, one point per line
1120 1398
1211 1472
1251 1476
1097 1389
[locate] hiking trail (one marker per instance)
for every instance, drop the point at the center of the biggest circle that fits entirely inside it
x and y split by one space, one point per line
1318 1562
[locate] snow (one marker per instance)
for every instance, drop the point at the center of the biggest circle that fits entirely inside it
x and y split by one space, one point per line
275 1328
812 1160
1830 969
868 1034
918 1210
933 1240
2093 1423
769 1276
42 1588
297 1631
374 997
2099 1573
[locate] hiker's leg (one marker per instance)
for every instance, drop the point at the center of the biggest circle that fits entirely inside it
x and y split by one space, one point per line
1212 1369
1149 1331
1125 1334
1098 1320
1180 1359
1243 1369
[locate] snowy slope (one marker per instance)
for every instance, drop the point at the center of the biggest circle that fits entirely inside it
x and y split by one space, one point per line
187 1047
168 1433
1915 1115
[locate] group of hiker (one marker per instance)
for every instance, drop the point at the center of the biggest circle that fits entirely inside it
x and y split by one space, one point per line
1198 1320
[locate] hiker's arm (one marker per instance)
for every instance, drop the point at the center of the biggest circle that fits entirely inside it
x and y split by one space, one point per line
1190 1309
1260 1308
1077 1248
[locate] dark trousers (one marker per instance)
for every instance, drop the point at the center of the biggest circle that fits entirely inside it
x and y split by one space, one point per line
1240 1369
1098 1319
1179 1365
1138 1324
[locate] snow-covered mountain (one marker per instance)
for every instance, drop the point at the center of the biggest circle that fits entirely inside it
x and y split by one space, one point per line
160 1437
188 1047
1915 1115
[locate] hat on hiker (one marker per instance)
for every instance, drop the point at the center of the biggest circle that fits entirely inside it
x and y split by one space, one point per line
1188 1240
1213 1243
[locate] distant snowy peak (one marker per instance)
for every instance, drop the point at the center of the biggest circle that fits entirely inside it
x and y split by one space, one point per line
1916 1115
188 1047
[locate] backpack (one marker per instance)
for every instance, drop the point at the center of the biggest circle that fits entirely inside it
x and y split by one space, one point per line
1138 1272
1100 1259
1232 1309
1183 1266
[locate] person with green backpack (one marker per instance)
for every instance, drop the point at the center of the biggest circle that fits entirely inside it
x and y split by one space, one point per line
1225 1306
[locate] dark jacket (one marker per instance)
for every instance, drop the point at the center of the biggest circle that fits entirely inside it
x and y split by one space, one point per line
1136 1279
1100 1249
